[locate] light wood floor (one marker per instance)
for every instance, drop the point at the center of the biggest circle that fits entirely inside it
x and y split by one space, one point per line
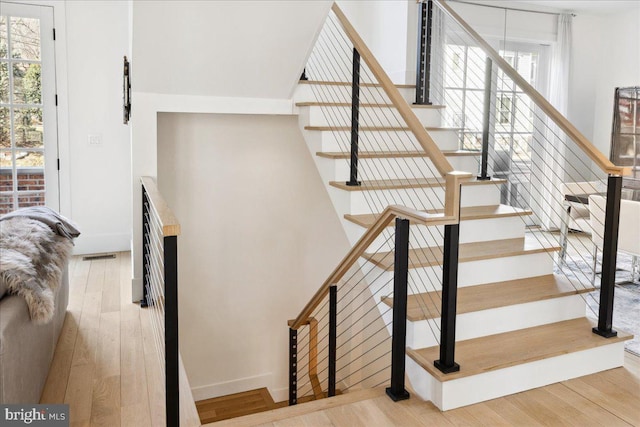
610 398
105 366
101 369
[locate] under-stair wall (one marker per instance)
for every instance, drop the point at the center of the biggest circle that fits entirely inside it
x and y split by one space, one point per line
258 231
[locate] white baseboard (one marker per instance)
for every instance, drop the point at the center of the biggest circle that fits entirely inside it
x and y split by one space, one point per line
101 243
230 387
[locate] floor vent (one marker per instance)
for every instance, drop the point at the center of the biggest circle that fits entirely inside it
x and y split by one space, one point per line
98 256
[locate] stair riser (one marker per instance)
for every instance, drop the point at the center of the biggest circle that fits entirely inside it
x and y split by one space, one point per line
427 279
364 202
498 320
379 140
368 116
327 93
413 167
470 231
479 388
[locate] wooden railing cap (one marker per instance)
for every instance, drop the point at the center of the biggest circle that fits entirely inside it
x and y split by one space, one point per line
168 221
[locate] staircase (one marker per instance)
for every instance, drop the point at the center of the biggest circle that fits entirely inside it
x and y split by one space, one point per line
519 326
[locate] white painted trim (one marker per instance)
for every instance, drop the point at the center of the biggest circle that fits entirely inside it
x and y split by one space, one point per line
230 387
101 243
167 103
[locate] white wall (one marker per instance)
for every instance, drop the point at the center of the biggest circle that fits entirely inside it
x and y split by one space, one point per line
254 49
386 29
259 236
100 197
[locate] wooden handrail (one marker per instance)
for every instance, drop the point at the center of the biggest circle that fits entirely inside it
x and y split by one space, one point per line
428 144
561 121
168 221
391 212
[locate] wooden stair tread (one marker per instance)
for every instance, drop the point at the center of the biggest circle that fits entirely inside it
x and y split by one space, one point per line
493 352
395 184
362 104
235 405
466 214
298 410
374 128
431 256
492 295
393 154
322 82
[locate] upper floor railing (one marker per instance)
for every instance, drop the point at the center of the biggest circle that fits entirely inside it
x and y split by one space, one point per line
160 231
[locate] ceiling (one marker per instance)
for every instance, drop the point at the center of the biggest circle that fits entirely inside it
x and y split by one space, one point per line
584 6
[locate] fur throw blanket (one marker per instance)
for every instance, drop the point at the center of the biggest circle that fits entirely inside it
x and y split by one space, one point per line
32 261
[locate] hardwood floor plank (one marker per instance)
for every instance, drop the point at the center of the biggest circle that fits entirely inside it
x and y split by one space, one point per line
135 415
111 286
79 393
616 390
105 408
108 346
55 386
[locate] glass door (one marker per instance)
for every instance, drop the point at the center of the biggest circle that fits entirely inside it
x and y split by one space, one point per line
28 122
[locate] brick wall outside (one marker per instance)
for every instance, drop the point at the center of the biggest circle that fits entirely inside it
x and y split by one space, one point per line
27 181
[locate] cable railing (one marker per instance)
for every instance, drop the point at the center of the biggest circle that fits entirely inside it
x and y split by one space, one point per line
394 169
160 231
545 160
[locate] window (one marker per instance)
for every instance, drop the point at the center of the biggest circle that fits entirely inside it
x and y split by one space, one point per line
28 146
512 122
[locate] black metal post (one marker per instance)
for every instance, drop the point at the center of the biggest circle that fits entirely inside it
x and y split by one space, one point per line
144 302
447 363
355 118
303 76
399 338
171 330
293 366
423 68
485 122
333 324
609 254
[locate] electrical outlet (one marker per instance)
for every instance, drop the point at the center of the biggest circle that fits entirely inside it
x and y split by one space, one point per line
95 139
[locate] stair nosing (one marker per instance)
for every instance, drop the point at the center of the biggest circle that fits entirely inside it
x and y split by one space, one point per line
363 104
378 128
332 83
560 283
405 184
338 155
423 356
356 219
388 265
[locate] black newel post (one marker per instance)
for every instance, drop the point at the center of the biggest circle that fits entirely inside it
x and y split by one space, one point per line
355 118
423 69
447 363
609 253
293 366
485 121
144 302
399 339
171 330
333 324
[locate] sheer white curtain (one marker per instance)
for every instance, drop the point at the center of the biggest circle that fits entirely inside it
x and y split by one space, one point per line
551 173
